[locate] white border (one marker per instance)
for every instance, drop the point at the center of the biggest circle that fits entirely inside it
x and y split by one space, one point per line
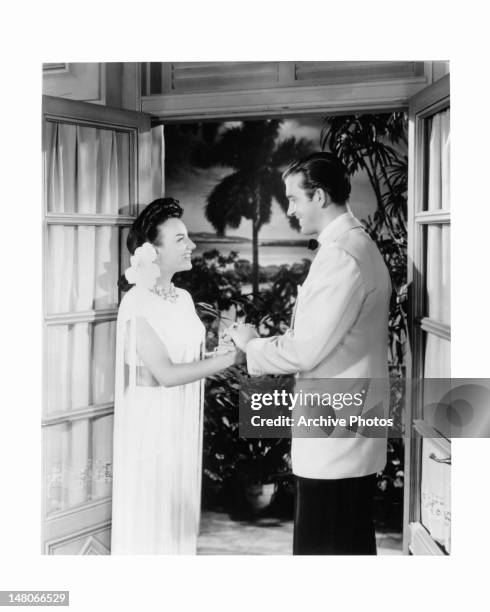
280 30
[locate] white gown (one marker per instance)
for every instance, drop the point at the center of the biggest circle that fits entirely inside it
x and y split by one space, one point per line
157 432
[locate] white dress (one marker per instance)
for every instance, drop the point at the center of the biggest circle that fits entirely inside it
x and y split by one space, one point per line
157 432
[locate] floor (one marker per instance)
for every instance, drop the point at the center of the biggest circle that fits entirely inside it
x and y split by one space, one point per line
221 535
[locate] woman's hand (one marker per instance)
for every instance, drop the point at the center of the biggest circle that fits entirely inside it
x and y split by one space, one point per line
226 346
241 334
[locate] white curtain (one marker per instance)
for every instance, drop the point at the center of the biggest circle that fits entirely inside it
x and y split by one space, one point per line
106 267
85 267
77 471
437 350
102 429
104 344
157 162
61 159
439 162
82 268
437 357
80 372
87 172
56 458
67 477
58 343
80 365
438 273
87 169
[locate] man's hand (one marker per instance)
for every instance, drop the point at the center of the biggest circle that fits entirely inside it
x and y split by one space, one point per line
241 334
240 357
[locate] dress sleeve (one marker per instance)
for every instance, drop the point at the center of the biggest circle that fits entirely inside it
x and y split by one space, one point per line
130 369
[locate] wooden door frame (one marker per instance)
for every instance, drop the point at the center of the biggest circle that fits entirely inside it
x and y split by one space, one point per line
355 97
97 512
427 102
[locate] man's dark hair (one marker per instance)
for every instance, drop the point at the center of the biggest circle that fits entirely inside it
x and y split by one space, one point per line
322 171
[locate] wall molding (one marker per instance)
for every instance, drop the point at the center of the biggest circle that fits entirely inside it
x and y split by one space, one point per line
342 98
92 546
89 533
421 542
79 81
56 67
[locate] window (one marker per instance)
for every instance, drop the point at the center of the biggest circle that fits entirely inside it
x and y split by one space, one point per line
91 191
428 454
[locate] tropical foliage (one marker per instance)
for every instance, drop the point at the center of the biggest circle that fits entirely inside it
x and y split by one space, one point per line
215 282
377 145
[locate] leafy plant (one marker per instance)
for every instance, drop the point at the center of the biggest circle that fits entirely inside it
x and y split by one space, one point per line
215 282
376 144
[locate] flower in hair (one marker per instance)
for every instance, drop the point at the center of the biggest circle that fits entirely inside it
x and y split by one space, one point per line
143 272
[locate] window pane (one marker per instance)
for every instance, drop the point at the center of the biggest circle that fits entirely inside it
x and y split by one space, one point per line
438 273
87 169
78 462
438 162
80 365
82 268
435 498
437 362
125 254
101 473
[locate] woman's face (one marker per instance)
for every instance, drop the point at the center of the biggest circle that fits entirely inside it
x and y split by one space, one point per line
174 252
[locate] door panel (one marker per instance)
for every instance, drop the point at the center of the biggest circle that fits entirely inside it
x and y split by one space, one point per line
97 165
427 513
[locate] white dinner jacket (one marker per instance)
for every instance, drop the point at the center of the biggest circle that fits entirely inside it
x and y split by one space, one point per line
340 329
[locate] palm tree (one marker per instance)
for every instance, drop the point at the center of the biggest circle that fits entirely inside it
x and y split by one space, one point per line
252 150
376 144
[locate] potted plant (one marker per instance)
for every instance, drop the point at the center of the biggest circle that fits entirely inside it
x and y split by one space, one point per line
243 470
261 466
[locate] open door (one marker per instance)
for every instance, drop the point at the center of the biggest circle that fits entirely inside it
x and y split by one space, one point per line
427 512
96 171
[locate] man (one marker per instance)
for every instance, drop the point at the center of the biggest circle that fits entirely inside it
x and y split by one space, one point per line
340 330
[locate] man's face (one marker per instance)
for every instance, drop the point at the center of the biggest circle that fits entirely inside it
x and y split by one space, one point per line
301 206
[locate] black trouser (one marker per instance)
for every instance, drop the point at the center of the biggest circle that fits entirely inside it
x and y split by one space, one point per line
334 517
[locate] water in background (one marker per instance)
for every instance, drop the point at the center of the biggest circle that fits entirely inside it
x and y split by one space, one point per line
268 255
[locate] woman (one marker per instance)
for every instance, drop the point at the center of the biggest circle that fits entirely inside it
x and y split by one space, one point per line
158 400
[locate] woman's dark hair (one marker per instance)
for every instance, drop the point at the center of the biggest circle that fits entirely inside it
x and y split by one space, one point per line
145 227
322 171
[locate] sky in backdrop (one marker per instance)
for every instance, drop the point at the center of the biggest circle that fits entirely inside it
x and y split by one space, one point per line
192 186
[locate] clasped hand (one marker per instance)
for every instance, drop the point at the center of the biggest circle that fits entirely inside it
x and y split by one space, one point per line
240 334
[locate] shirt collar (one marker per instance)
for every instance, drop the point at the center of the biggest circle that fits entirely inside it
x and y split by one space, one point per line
338 226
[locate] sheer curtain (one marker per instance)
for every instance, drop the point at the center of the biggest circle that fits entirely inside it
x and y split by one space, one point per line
436 477
80 373
437 350
439 162
87 172
87 169
83 267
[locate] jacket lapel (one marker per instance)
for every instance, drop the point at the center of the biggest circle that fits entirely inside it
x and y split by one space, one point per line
330 234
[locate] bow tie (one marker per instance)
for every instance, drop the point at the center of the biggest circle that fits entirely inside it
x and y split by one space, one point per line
312 244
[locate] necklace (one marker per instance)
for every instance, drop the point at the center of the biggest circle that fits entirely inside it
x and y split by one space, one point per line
169 294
